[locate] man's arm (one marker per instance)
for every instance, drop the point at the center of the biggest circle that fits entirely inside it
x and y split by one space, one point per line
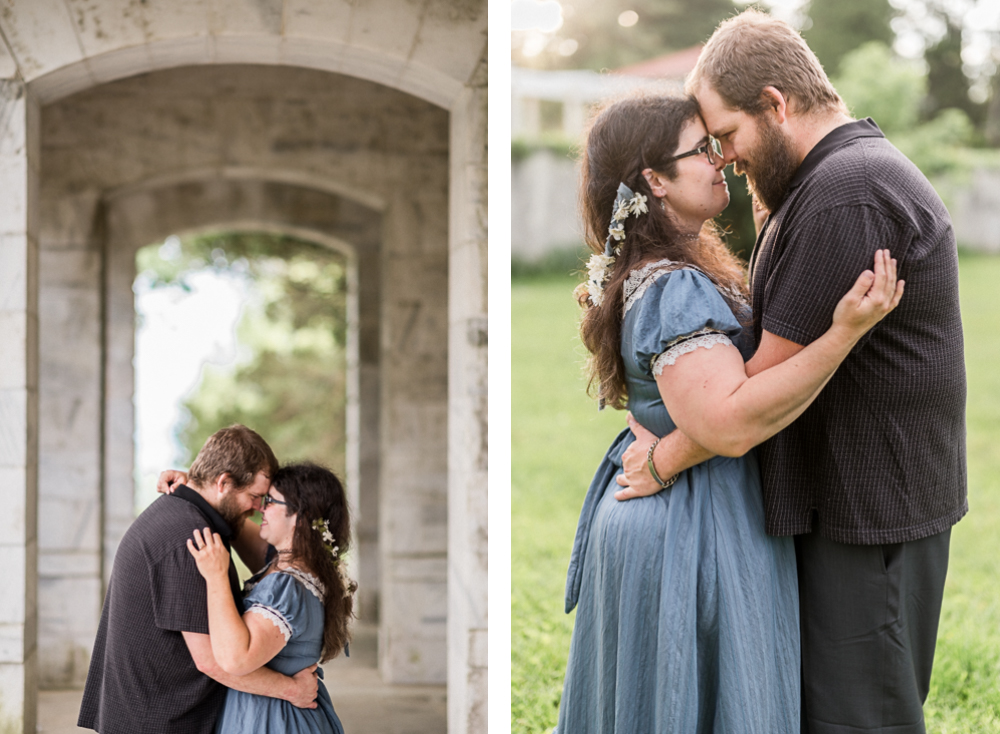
251 548
300 690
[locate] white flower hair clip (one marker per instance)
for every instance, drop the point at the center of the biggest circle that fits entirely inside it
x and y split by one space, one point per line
323 526
626 202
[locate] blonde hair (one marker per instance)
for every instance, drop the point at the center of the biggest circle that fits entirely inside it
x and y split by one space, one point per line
753 50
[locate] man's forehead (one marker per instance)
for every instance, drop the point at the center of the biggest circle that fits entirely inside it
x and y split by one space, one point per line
713 109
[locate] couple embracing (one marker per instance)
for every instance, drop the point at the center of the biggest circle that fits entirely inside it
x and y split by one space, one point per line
181 648
797 586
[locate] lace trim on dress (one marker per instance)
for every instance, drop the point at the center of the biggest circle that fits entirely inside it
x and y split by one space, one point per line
275 616
313 584
638 281
308 580
706 339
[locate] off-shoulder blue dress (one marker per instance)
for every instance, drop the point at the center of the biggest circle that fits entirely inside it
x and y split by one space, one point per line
687 613
292 600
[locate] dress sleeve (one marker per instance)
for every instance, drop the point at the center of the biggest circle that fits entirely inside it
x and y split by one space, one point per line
680 312
279 598
178 594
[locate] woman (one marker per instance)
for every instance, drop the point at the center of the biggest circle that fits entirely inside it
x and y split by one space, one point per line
686 611
296 609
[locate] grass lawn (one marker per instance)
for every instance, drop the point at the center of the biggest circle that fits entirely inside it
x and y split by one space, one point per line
558 438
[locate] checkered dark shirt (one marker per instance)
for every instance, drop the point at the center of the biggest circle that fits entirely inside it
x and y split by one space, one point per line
880 456
142 679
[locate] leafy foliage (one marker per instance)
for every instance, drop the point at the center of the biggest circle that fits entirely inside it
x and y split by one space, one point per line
663 27
839 26
291 389
875 83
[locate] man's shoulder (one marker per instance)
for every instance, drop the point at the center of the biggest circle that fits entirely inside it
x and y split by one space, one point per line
162 527
864 165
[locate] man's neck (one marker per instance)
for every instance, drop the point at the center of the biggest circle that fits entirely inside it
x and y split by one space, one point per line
809 129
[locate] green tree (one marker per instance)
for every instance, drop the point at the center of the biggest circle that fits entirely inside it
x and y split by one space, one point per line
663 26
291 387
875 83
839 26
948 86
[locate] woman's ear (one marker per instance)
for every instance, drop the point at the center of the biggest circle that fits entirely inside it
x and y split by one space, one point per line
657 182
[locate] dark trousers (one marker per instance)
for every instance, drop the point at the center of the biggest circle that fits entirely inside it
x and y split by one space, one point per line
869 619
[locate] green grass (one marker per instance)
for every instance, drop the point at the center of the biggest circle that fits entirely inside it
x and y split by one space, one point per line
557 440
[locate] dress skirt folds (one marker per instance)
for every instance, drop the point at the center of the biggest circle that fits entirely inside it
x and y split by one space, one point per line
687 613
292 601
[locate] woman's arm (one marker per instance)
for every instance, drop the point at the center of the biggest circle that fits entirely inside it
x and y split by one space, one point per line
711 399
240 645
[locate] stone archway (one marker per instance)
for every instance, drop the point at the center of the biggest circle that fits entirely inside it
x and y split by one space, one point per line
48 53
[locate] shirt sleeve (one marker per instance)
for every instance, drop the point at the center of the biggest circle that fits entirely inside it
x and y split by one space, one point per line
681 309
179 595
820 260
279 598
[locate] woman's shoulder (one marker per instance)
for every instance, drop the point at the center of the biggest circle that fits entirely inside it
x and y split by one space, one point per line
284 582
655 275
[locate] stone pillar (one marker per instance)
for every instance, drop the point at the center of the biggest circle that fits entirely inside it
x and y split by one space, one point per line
467 414
413 491
19 172
70 586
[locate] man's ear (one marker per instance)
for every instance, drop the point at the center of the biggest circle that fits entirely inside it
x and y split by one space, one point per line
776 102
224 483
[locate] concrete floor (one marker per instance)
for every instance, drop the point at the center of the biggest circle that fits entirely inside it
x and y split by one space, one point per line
363 702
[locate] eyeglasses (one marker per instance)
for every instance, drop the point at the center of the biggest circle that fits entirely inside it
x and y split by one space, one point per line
269 500
712 149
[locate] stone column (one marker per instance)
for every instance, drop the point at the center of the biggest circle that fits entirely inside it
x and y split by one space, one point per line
467 414
70 405
19 158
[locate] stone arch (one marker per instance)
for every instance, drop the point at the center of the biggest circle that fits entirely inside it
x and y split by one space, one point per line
57 51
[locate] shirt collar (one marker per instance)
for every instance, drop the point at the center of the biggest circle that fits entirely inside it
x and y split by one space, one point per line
215 520
833 140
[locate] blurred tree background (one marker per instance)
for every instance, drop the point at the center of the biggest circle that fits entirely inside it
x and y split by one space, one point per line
925 70
289 382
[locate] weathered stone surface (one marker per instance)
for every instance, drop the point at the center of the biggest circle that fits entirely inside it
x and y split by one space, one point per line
146 131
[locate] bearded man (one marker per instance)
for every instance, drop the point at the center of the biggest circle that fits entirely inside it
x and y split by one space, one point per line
871 478
152 669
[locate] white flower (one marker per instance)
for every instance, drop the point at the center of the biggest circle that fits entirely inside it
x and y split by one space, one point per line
617 231
622 212
637 205
327 536
597 267
596 293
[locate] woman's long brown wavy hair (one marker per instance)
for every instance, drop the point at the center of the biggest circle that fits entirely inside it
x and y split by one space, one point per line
315 493
626 137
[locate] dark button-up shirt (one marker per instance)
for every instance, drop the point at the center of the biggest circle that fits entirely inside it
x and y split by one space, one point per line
142 677
880 455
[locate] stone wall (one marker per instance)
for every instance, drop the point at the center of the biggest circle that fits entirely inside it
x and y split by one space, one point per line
543 204
126 164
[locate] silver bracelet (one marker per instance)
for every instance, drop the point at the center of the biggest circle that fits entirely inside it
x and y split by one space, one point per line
652 469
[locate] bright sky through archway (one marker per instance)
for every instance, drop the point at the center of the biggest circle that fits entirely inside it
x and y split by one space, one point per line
177 333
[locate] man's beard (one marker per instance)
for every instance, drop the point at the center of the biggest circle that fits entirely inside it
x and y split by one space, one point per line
229 508
770 167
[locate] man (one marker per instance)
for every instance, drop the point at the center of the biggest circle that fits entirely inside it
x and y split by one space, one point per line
152 669
872 476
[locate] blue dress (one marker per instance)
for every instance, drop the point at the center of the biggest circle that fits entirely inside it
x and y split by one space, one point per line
687 613
292 600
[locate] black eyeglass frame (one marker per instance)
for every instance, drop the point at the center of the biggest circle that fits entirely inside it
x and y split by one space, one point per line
711 149
269 500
